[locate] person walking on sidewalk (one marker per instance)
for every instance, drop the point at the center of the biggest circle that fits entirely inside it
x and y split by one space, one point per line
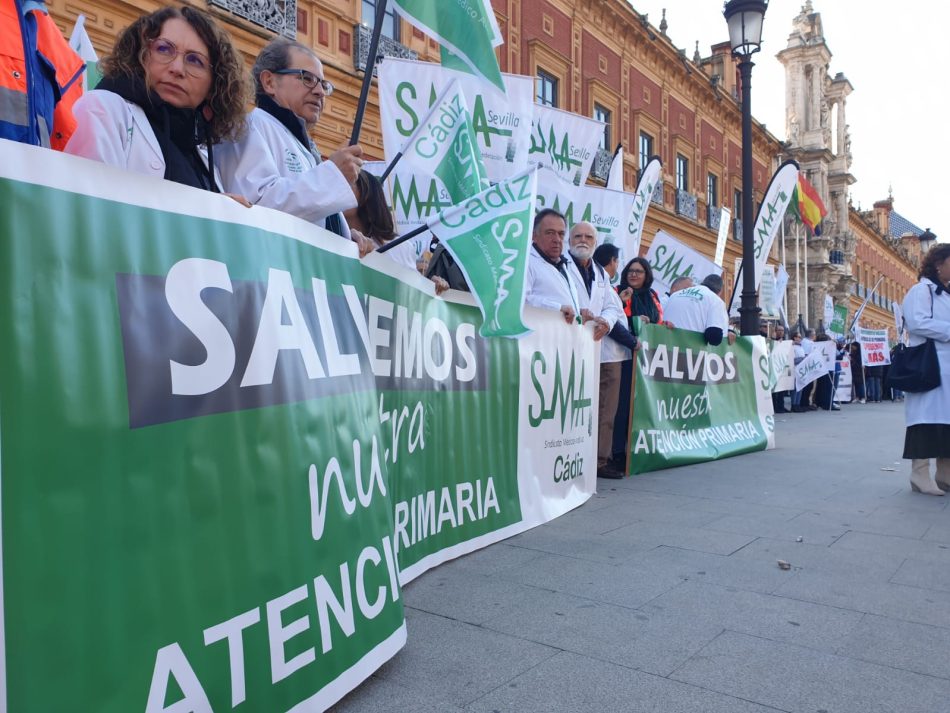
927 414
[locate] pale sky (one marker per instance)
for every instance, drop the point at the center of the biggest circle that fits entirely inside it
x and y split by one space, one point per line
899 109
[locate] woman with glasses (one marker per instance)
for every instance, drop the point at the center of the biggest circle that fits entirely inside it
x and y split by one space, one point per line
275 163
172 88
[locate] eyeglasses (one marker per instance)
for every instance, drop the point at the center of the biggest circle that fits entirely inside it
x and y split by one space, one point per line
165 52
636 272
309 79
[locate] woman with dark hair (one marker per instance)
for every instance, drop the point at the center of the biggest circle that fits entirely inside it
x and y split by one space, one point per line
373 219
927 414
172 88
640 302
642 306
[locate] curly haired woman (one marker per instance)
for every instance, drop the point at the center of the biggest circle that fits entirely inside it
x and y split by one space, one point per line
172 87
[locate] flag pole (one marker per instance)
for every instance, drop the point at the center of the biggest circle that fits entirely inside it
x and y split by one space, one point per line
798 271
370 68
807 321
403 238
784 265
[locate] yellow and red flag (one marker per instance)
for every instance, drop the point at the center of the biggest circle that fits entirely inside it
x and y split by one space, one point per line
808 206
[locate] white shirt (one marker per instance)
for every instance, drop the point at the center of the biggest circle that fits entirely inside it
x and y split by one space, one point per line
270 167
930 406
115 131
604 302
547 287
697 309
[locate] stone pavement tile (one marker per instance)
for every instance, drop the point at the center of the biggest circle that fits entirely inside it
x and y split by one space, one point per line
876 522
472 598
623 585
656 642
376 695
803 680
689 538
455 663
938 533
809 529
602 520
916 549
569 682
739 507
491 560
777 618
925 575
582 545
650 507
760 576
805 556
924 606
900 644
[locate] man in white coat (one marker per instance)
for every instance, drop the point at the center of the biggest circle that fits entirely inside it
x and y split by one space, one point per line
276 164
698 309
549 285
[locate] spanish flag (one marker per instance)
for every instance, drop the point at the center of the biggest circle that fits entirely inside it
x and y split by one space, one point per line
808 206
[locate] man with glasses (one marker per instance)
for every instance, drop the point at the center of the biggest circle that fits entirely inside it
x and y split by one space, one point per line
276 164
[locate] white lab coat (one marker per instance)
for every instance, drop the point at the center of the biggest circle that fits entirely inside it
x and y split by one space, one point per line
930 406
696 308
270 167
601 304
115 131
546 287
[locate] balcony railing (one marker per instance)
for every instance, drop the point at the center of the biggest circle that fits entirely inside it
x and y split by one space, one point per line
387 47
686 204
713 216
279 16
737 230
601 166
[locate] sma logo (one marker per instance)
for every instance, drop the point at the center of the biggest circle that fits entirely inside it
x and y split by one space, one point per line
565 400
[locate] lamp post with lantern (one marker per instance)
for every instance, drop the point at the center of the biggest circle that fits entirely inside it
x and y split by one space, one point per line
745 18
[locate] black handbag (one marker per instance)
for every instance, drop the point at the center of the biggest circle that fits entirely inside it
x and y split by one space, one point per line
915 369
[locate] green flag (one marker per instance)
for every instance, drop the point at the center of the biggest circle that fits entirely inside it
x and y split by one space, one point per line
465 28
488 235
444 146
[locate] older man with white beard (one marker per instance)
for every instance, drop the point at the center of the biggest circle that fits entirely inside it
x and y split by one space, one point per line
599 303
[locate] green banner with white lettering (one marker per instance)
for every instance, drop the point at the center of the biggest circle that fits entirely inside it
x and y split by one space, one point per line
227 443
694 402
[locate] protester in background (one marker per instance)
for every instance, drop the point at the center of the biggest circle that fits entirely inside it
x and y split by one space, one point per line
698 309
897 394
40 76
799 352
373 219
857 373
275 163
824 385
548 285
808 343
715 285
616 350
874 376
591 283
779 332
926 310
641 305
171 89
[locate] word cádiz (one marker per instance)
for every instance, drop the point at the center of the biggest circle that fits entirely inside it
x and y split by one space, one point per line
441 129
417 349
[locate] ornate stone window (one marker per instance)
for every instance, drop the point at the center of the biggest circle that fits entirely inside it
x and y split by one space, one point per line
279 16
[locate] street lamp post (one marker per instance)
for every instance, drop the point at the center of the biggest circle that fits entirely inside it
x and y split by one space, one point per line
744 18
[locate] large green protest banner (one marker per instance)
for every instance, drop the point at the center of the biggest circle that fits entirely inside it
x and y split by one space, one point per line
694 402
227 443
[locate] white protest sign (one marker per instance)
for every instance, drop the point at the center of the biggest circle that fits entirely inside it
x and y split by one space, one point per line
829 313
781 364
670 259
564 142
502 124
605 209
843 393
818 363
722 237
874 351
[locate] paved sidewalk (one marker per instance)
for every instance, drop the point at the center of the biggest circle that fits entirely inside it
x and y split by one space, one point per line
662 593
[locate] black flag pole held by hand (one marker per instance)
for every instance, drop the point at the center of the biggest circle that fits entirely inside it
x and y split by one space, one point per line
370 68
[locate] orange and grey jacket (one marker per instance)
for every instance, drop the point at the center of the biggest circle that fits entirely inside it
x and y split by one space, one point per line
39 76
